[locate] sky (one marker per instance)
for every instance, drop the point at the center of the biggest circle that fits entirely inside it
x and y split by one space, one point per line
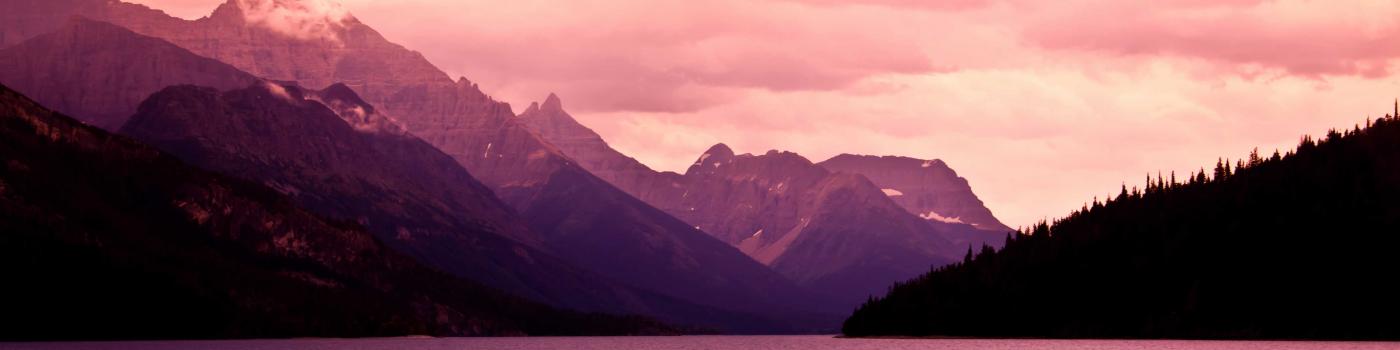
1041 105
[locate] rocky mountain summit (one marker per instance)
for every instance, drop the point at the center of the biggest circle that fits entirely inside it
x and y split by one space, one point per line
928 188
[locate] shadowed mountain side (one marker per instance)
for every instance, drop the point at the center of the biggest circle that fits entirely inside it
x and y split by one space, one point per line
100 72
566 225
410 195
105 238
482 135
352 163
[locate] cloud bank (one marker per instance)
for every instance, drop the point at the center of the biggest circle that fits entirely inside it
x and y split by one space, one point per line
302 19
1042 105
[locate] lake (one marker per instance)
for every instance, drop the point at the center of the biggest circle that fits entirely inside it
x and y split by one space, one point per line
693 343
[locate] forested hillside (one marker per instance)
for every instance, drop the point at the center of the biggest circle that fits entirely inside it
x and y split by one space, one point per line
1300 245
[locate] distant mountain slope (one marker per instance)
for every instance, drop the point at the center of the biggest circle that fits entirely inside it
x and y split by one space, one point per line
409 194
22 20
351 163
1295 246
578 142
105 238
928 188
412 196
483 135
837 233
832 232
101 72
628 241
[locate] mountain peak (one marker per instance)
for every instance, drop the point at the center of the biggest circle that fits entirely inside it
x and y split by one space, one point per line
229 9
299 19
929 187
719 150
552 103
712 158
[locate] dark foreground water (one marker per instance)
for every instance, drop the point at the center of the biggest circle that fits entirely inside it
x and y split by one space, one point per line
695 343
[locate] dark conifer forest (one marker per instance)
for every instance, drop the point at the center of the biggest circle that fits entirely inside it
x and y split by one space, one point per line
1300 245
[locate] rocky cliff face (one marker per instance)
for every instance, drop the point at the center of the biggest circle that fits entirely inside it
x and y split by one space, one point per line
105 238
928 188
101 72
833 232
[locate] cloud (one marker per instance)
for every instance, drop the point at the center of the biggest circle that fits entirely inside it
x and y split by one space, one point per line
1042 105
1305 38
659 56
938 5
302 19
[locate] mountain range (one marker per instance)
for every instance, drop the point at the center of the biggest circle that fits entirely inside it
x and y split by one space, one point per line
353 128
411 195
106 238
826 226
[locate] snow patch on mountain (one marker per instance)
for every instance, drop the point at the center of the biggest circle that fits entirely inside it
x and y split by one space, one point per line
892 192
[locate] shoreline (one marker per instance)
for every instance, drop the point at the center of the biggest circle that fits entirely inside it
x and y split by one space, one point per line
952 337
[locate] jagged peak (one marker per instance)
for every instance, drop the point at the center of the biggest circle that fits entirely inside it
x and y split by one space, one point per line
717 154
228 10
552 103
534 108
468 85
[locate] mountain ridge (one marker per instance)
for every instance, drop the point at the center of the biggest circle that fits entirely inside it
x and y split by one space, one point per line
741 200
83 53
582 288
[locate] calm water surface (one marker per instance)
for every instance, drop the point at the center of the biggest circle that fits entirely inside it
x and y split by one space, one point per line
694 343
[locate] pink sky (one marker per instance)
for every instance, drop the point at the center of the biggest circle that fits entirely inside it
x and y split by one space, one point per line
1042 105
